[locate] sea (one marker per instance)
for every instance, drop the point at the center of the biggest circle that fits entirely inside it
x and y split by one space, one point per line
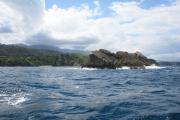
74 93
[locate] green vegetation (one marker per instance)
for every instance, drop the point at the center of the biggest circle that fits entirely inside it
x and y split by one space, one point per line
21 56
61 60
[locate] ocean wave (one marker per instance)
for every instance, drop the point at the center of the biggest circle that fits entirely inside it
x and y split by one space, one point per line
145 67
154 67
13 99
89 68
123 68
120 68
73 68
79 68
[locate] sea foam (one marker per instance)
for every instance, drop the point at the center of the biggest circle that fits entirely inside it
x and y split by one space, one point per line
85 68
123 68
154 67
13 99
145 67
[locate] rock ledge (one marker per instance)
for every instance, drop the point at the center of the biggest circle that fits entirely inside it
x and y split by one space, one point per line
105 59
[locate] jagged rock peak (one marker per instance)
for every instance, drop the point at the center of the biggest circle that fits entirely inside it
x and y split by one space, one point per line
139 54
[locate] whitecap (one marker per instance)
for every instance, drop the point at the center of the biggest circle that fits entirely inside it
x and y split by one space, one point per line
73 68
153 66
84 68
123 68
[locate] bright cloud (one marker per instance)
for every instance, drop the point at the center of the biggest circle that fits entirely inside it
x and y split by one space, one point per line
154 31
19 18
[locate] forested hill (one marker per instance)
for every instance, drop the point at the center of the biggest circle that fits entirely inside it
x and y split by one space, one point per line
12 55
13 50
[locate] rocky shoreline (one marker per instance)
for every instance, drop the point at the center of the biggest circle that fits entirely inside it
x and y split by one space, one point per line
105 59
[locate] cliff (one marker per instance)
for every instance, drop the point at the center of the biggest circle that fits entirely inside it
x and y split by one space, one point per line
106 59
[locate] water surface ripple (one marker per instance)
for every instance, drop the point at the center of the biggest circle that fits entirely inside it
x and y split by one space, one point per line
54 93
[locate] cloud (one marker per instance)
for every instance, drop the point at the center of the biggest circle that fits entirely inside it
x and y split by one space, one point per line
70 27
20 19
76 43
30 11
154 31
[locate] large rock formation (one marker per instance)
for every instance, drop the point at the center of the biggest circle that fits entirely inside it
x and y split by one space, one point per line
105 59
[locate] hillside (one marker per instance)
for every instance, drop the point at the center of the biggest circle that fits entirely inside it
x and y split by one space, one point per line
52 48
11 55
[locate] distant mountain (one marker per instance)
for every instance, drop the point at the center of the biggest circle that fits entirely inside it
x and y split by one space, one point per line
54 48
23 50
44 47
168 63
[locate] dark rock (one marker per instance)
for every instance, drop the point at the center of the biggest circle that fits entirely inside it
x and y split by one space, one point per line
106 59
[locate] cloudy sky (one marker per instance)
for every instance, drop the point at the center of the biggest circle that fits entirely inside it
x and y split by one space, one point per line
149 26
